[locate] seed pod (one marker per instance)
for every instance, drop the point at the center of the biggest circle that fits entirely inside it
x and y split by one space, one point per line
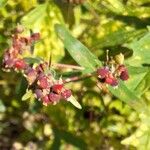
57 88
38 93
20 64
43 82
102 72
54 97
66 94
46 100
124 75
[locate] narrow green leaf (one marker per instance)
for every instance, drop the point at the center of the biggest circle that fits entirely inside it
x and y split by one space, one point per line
70 138
2 106
35 16
124 94
136 76
72 100
141 51
116 6
27 95
144 85
31 60
77 50
3 3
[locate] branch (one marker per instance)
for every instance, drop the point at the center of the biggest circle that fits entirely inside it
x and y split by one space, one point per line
76 78
68 66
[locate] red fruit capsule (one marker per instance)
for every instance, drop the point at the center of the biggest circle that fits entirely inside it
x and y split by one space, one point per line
35 36
124 75
38 93
43 82
66 94
31 75
57 88
20 64
54 97
102 72
111 80
46 100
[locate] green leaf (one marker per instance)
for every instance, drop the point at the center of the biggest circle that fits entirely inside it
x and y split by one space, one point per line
3 3
70 138
2 106
136 76
35 16
127 96
144 85
77 50
27 95
114 39
116 6
31 60
141 51
72 100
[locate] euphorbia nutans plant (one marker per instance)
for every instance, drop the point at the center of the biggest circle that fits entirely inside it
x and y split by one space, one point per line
41 81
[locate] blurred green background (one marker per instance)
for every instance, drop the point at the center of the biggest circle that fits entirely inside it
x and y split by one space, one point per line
105 122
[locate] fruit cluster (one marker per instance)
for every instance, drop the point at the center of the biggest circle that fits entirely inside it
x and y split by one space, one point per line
39 77
112 72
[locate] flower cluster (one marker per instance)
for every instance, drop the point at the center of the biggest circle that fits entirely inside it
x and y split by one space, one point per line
39 77
112 72
44 86
12 58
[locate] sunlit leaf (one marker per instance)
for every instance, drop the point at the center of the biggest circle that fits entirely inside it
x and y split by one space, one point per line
27 95
3 3
141 50
77 50
35 16
74 102
31 60
2 106
129 97
144 85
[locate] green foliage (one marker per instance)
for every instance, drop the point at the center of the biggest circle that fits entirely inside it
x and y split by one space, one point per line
116 120
77 50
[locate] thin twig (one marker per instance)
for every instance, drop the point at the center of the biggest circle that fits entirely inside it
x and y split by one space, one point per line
68 66
76 78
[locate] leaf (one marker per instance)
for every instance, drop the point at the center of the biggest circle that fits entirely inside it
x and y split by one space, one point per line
127 96
35 16
144 84
72 100
116 6
27 95
113 38
141 51
3 3
31 60
77 50
70 138
136 75
2 106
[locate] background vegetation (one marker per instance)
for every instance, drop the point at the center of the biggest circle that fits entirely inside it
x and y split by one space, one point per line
106 121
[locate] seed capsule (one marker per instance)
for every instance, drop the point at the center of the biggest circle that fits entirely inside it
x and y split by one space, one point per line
124 75
20 64
54 97
66 94
102 72
57 88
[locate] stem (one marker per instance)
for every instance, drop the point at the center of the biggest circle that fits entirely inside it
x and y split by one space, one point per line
68 66
76 78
